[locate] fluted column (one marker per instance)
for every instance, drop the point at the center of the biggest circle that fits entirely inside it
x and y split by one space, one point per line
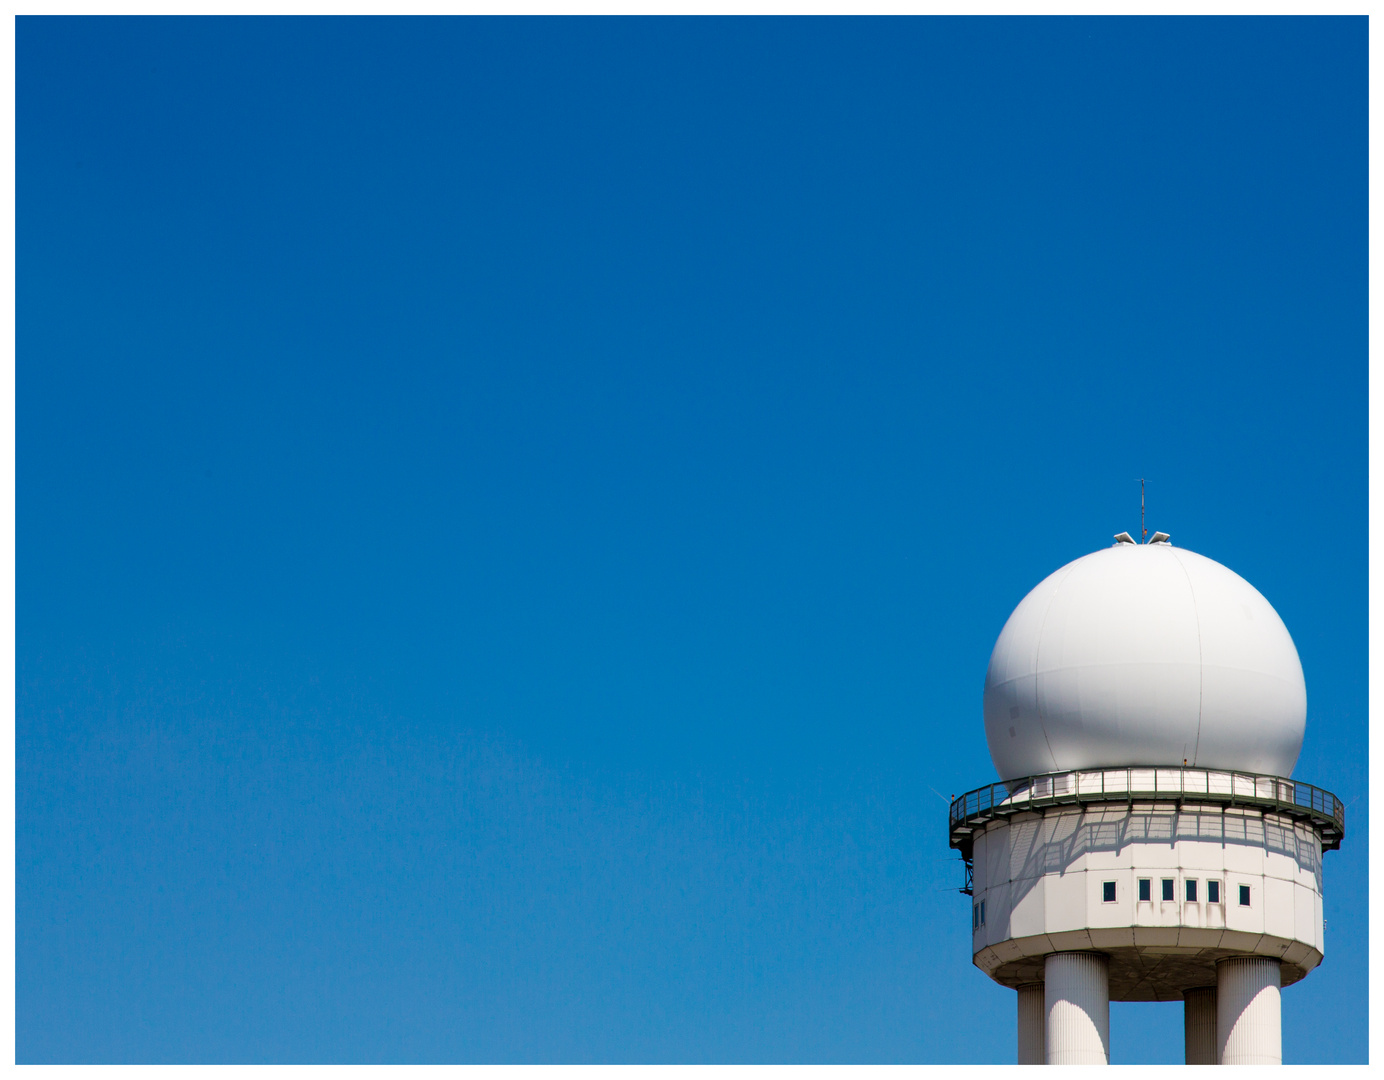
1249 1017
1076 989
1199 1025
1033 1018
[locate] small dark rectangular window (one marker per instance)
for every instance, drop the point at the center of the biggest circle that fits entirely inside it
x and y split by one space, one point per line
1168 893
1145 889
1244 896
1191 890
975 917
1108 892
1213 892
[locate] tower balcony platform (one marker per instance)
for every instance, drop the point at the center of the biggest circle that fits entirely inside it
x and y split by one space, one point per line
1164 871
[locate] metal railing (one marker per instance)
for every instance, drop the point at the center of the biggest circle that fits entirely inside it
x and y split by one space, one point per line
1148 783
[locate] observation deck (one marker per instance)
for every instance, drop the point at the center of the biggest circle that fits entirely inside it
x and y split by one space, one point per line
1157 785
1163 871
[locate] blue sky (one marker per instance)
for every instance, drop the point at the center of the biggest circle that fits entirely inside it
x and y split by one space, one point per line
513 515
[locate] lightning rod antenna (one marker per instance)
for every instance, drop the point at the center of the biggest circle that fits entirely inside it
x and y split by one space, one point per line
1142 527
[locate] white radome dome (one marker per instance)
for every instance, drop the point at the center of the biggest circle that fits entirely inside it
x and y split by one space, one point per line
1144 654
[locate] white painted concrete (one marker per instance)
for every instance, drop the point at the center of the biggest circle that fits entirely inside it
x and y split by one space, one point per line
1199 1026
1043 879
1076 993
1033 1022
1249 1018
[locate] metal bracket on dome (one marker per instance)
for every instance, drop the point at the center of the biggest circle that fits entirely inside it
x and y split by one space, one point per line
1160 538
1123 538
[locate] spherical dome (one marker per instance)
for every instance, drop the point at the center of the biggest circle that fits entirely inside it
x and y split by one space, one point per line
1144 654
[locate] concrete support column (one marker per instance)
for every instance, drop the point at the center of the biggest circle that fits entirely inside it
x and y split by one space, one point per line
1076 993
1249 1017
1033 1018
1199 1025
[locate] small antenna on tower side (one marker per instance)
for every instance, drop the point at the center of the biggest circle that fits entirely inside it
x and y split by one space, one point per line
1143 529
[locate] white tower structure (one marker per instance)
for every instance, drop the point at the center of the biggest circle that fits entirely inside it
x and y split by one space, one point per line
1146 707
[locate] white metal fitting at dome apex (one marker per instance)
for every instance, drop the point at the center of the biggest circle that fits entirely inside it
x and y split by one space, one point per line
1144 654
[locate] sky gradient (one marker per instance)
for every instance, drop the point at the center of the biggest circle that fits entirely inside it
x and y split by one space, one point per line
513 514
